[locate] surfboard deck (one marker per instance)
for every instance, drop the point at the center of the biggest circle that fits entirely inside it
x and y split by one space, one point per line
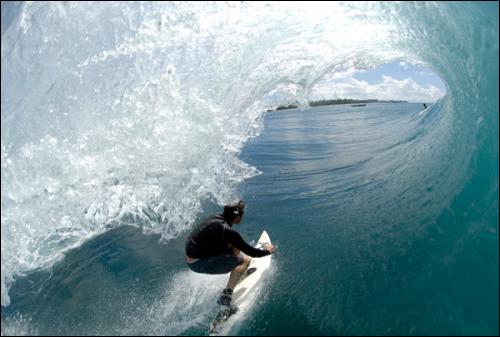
242 298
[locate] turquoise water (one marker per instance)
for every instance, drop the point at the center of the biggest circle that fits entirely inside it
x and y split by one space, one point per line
374 256
125 124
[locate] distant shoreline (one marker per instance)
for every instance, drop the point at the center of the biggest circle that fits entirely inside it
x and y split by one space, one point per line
337 102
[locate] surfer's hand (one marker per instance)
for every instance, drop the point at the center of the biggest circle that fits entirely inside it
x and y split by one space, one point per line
269 247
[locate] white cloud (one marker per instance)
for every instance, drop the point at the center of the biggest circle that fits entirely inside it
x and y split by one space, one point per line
404 65
343 85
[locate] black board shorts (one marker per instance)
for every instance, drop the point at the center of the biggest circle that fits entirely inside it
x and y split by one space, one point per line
219 264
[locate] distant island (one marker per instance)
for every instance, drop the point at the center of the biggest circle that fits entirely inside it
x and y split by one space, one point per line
336 102
292 106
350 101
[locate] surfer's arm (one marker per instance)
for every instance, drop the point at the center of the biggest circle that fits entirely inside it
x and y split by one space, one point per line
234 238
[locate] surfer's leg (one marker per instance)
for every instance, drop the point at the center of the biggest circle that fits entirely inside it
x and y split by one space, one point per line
237 272
234 277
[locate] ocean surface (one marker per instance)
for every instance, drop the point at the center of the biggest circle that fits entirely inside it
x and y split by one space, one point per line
124 124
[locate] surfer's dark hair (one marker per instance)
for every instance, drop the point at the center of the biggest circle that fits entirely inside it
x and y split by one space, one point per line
231 212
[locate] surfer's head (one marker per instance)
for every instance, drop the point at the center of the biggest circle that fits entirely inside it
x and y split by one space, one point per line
234 213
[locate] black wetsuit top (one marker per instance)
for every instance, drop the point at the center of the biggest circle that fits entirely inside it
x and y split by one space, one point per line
213 236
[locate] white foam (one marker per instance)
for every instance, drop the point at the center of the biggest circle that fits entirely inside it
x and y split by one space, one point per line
189 300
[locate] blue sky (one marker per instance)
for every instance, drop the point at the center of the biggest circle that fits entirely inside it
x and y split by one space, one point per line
397 80
401 70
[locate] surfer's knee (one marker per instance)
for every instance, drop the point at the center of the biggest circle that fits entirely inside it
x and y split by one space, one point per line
244 265
246 260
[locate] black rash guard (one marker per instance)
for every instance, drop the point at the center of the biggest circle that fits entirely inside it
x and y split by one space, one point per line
213 237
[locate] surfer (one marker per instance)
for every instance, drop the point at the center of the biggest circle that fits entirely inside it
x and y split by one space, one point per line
214 247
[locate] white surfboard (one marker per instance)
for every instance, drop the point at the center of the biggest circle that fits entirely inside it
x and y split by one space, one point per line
244 292
424 111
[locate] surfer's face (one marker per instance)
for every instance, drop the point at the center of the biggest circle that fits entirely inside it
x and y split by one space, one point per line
238 219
